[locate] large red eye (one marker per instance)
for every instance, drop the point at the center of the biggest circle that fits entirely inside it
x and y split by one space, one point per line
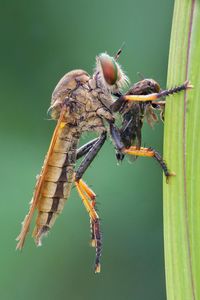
109 68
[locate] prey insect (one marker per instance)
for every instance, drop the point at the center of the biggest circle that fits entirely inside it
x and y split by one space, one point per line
82 103
139 103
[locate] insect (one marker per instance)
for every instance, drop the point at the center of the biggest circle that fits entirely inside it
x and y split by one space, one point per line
82 103
134 111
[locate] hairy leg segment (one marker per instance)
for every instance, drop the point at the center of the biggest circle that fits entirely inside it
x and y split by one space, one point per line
90 150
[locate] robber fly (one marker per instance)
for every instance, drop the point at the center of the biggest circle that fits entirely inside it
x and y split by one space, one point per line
82 103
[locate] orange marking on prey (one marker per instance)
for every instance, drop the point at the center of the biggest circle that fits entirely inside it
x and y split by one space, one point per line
27 221
89 207
139 152
144 98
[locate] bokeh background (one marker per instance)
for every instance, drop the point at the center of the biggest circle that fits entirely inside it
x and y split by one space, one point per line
40 41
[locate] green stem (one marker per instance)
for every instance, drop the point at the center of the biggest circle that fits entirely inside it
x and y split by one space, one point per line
181 151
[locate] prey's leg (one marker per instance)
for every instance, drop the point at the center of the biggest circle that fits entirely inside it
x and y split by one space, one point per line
90 150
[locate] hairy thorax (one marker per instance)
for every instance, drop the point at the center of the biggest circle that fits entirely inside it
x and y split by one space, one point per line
87 104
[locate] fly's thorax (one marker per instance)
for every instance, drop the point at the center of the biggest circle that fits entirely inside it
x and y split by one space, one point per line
79 93
85 102
64 90
90 103
100 95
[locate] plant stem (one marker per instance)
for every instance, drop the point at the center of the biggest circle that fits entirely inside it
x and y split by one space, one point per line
181 151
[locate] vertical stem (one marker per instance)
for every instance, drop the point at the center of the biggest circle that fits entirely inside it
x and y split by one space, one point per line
181 151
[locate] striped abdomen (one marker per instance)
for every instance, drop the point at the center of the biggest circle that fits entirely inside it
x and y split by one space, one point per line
57 182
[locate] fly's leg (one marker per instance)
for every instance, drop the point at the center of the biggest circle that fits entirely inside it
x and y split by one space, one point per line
89 203
186 85
96 146
82 151
149 152
87 195
150 97
133 150
92 197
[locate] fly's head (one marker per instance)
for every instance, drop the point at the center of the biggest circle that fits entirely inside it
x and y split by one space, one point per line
109 75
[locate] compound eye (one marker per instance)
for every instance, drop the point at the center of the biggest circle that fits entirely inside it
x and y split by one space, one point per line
109 68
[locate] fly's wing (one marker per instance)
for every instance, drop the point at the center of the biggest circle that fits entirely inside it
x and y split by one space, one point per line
34 201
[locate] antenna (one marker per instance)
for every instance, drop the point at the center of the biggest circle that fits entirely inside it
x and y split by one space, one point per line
119 51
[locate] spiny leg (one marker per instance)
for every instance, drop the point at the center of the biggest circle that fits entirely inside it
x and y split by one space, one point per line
92 197
155 96
133 150
90 150
89 204
91 154
83 150
149 152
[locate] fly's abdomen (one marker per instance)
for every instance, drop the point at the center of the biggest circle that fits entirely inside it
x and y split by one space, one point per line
57 182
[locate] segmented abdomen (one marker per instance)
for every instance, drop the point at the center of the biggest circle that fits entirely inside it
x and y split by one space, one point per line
57 181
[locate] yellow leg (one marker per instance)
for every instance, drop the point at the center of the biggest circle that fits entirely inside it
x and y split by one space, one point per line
84 196
87 190
140 98
88 198
133 150
155 96
148 152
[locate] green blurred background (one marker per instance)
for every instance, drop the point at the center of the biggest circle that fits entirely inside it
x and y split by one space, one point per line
40 41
